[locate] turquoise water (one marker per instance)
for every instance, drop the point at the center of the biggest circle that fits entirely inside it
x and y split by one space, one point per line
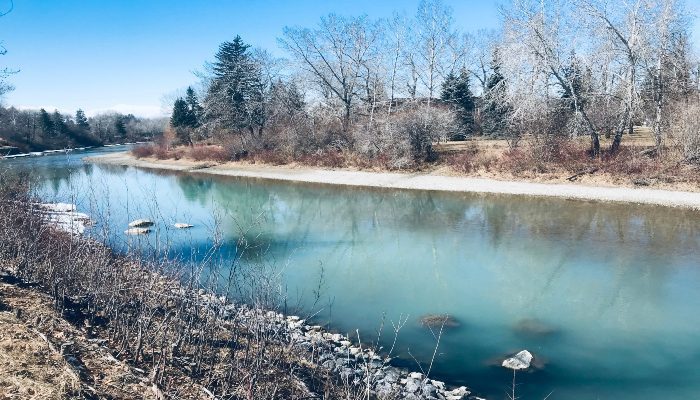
605 296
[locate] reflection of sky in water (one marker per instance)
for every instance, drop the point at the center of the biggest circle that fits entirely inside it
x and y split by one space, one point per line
619 285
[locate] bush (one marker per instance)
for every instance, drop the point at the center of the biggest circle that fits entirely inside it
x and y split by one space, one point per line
405 140
208 153
685 129
143 151
471 160
325 158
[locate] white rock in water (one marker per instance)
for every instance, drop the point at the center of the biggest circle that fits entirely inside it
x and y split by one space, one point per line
519 361
181 225
139 223
63 216
137 231
58 207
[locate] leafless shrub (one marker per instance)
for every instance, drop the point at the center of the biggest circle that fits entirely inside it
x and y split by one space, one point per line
204 152
686 132
143 151
406 138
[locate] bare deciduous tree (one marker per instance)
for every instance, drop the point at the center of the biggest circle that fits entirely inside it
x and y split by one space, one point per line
335 55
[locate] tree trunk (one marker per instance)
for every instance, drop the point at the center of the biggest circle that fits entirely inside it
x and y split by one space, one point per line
595 138
346 117
659 108
624 121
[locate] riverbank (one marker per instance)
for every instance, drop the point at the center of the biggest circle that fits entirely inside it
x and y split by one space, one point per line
415 181
12 155
82 321
44 354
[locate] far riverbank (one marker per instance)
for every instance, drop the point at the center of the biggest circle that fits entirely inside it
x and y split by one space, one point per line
414 181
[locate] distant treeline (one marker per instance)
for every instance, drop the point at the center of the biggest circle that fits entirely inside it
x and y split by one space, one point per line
32 130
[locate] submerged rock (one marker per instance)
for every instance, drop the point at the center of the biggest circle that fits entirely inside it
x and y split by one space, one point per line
519 361
534 327
181 225
438 320
137 231
140 223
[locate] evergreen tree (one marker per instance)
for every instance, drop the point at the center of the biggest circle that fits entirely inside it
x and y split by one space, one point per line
577 86
81 120
46 123
234 98
181 121
59 125
495 109
456 91
180 115
194 110
119 126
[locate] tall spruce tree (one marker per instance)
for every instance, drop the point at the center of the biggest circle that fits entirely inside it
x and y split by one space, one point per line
496 111
574 95
180 115
59 125
81 120
233 97
181 121
120 126
194 109
46 123
456 91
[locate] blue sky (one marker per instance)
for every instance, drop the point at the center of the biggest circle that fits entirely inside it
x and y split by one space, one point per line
126 55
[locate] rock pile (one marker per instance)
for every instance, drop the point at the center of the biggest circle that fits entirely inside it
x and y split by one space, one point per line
354 364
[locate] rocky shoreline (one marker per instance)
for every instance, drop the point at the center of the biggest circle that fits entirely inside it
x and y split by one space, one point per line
352 364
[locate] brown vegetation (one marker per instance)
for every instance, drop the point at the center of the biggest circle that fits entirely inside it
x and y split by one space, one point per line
155 318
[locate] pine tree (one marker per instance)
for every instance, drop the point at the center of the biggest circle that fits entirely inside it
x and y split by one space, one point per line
59 125
46 123
120 127
194 110
495 109
180 116
448 86
234 97
81 120
456 91
574 94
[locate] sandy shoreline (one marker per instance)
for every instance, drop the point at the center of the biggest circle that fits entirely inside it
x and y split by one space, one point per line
416 181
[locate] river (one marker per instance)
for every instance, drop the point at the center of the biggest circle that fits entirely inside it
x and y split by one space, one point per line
606 296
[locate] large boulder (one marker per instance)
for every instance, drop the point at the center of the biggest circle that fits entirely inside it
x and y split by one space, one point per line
519 361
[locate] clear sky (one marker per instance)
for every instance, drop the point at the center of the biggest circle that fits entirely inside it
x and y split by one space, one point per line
124 55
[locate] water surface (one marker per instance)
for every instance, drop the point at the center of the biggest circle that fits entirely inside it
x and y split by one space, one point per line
606 296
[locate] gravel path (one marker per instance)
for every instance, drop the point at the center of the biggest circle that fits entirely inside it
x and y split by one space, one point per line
419 181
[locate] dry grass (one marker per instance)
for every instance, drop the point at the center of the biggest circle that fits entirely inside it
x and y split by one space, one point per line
28 367
43 356
569 160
